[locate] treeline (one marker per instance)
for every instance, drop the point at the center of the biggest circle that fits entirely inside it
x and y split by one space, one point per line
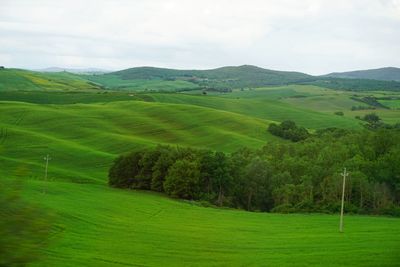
355 84
280 177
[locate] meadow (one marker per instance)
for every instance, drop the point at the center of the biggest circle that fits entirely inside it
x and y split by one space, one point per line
100 226
84 128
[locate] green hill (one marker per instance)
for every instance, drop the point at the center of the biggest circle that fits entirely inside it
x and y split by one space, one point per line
385 74
150 79
83 132
225 77
83 139
16 79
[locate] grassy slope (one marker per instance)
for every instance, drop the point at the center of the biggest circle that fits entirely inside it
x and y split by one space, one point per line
100 226
83 139
311 102
113 81
264 108
237 77
387 74
16 79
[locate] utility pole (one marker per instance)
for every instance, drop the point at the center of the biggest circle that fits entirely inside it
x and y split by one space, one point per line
344 174
47 158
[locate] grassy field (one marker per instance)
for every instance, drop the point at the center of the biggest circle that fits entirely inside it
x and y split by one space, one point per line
16 79
393 104
83 139
115 82
320 100
99 226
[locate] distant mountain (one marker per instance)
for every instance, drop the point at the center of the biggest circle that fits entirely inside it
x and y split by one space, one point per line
384 74
230 77
76 71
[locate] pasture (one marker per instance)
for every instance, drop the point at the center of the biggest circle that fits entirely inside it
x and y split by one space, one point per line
100 226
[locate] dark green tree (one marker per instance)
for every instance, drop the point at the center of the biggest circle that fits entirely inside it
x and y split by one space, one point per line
182 180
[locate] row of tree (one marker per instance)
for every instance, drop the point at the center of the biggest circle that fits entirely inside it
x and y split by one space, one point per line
283 177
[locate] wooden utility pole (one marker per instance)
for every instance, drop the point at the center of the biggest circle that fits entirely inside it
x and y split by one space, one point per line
47 158
344 174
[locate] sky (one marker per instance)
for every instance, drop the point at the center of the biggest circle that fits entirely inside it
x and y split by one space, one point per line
311 36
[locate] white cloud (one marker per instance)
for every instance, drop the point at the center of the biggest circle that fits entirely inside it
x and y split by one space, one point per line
311 36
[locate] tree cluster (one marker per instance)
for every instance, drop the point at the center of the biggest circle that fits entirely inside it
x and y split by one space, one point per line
288 130
280 177
374 122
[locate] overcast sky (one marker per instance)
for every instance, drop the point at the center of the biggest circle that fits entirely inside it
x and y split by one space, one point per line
311 36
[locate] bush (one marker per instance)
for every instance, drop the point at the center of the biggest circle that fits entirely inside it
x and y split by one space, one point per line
284 208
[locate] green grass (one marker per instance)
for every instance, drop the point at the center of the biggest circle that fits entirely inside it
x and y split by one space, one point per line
393 104
307 103
16 79
72 97
99 226
112 81
264 108
83 139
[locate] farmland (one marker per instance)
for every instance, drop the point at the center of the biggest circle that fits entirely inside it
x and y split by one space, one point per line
84 127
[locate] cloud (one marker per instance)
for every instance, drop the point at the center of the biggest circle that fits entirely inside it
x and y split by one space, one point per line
311 36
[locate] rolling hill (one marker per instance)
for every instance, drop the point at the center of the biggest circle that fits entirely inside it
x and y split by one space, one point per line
24 80
83 139
150 79
83 131
74 70
225 77
384 74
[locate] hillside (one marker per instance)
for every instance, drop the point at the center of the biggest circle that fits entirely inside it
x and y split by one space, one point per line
24 80
384 74
83 139
225 77
150 79
84 131
73 70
